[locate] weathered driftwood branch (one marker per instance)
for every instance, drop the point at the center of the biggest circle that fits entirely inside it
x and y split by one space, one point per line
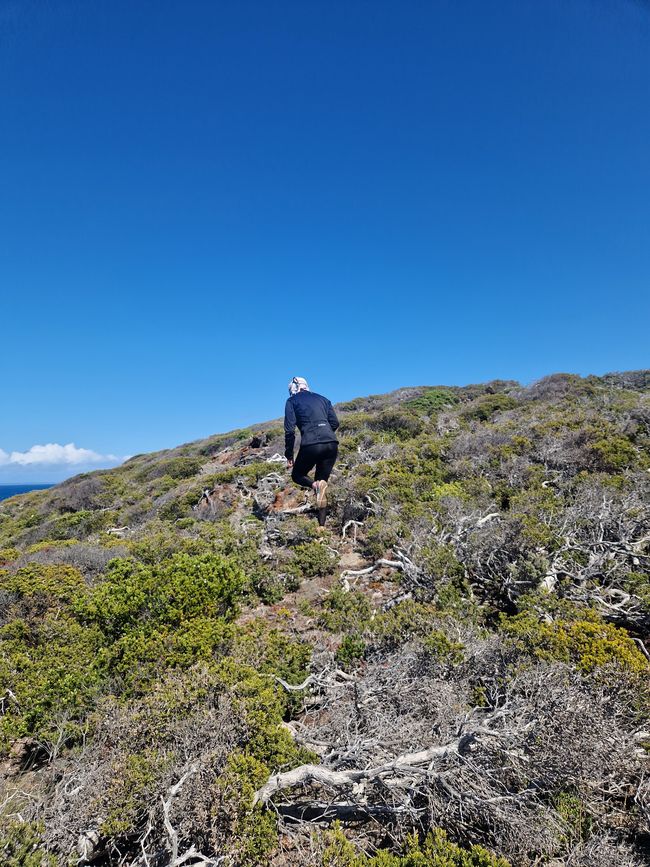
319 679
406 764
358 573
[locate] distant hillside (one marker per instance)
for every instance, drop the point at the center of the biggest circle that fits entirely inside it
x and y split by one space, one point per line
454 673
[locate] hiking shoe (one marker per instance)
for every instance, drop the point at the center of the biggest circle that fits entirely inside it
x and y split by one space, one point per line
321 496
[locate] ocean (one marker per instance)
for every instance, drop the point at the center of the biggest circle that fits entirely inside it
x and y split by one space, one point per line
7 491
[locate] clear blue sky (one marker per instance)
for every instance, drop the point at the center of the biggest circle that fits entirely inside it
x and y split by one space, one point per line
200 199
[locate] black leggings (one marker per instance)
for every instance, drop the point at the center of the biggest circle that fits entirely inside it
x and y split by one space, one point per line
321 455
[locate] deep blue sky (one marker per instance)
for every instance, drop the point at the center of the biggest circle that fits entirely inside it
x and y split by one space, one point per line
200 199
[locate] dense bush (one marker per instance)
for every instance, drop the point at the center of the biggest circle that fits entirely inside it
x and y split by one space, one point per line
436 850
585 640
311 559
432 401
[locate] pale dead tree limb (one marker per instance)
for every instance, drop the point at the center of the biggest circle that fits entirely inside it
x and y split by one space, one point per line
644 649
408 763
321 679
357 573
177 860
355 526
487 518
298 510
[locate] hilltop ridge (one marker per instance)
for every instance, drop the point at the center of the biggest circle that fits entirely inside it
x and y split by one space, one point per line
194 673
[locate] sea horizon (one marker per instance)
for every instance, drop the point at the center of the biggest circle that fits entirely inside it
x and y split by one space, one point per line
7 491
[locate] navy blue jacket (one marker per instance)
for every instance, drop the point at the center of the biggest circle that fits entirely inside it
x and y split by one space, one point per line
315 418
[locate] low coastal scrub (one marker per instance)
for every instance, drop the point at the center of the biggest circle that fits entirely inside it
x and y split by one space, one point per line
453 673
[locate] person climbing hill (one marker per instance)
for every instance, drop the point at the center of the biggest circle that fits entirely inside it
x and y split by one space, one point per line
317 421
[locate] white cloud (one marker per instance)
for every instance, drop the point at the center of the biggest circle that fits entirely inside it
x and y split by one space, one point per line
54 454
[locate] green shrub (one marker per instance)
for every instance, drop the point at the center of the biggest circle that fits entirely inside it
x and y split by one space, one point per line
251 833
175 468
487 406
129 795
8 555
432 401
411 478
78 525
177 589
638 583
352 648
21 845
172 511
613 453
355 421
342 612
311 559
401 425
52 544
577 821
436 850
586 641
408 620
54 669
37 588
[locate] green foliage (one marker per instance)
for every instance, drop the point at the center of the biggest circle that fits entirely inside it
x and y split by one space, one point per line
487 406
432 401
355 421
271 652
52 544
8 555
408 620
129 794
173 510
162 541
21 845
312 559
343 612
251 833
411 478
638 583
52 665
613 453
352 648
37 588
78 525
54 668
436 850
176 468
585 640
571 809
397 423
170 592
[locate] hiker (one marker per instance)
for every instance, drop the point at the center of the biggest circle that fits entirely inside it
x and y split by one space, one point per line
317 422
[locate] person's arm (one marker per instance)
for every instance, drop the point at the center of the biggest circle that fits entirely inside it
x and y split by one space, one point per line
331 416
289 430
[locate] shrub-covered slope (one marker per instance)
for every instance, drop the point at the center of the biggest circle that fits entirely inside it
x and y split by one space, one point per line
454 673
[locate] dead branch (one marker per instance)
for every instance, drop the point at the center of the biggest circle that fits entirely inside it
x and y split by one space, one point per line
406 765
